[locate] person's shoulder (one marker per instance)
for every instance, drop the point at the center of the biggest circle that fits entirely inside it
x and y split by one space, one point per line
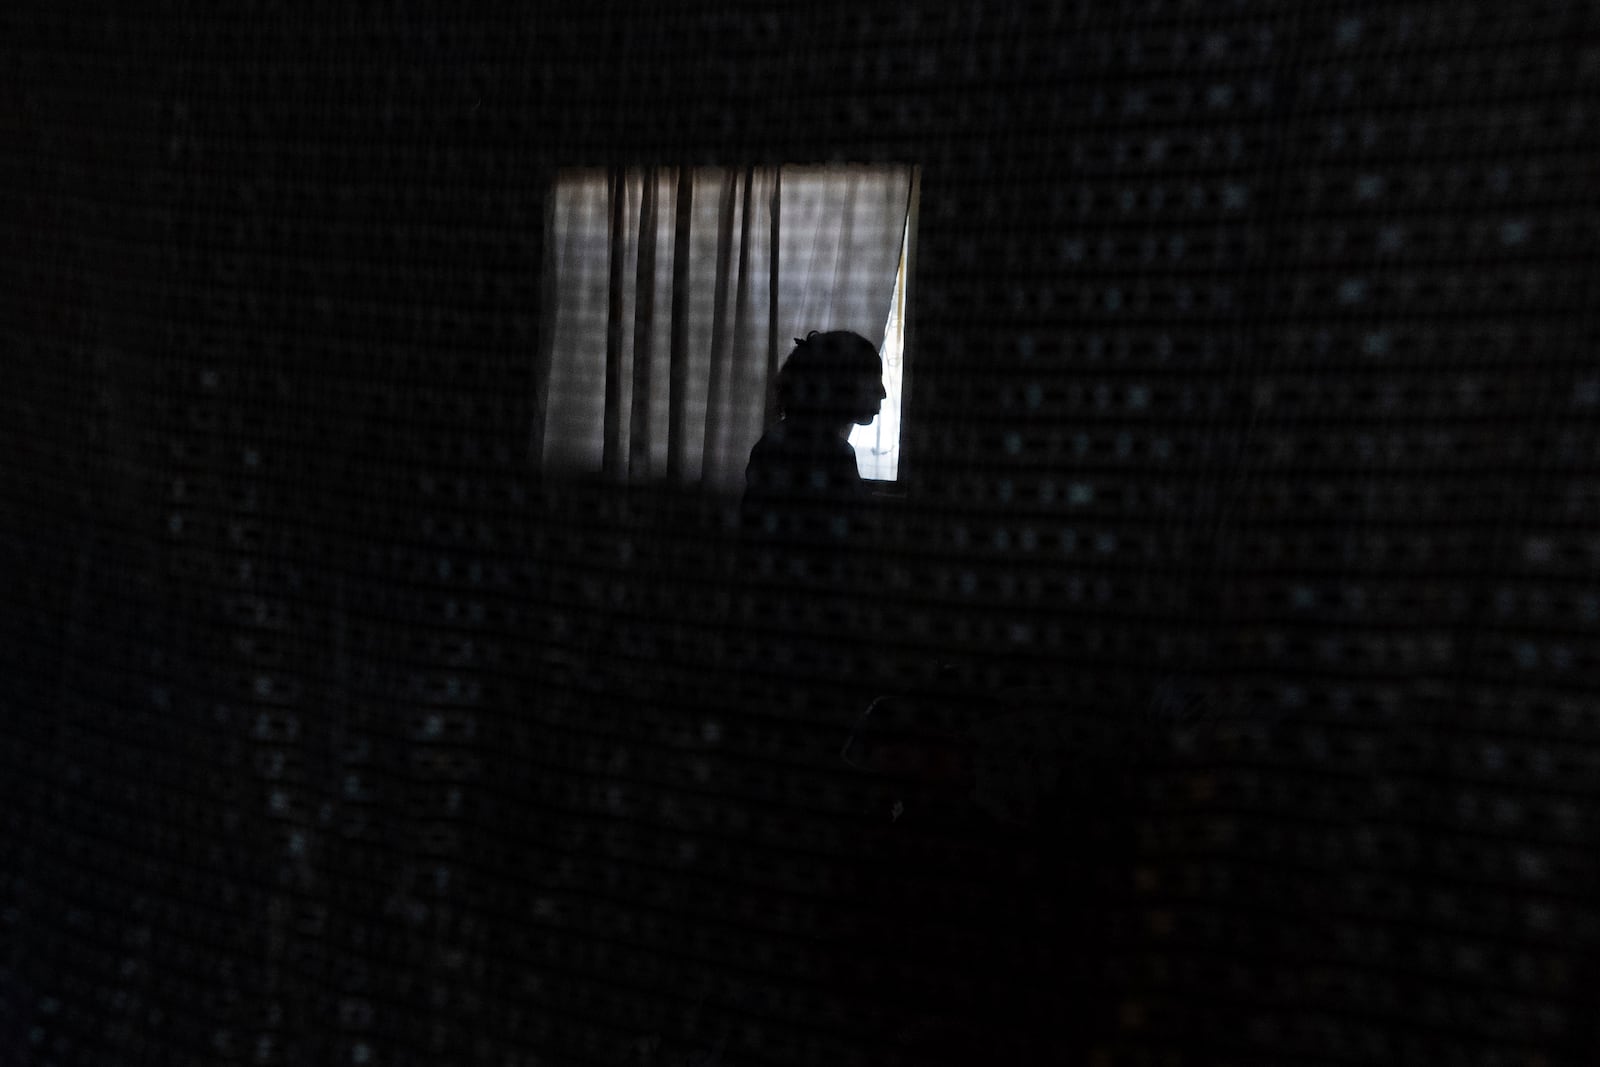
774 439
769 448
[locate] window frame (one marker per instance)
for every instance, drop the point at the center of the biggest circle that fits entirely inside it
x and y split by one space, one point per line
550 298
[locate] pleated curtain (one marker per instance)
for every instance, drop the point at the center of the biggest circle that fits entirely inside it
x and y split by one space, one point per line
674 294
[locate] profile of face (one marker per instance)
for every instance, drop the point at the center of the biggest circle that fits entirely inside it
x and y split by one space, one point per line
833 379
869 397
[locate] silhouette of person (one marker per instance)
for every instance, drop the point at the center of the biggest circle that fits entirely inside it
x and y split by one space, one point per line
802 483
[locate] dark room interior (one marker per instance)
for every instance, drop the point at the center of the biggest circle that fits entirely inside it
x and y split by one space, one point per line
396 670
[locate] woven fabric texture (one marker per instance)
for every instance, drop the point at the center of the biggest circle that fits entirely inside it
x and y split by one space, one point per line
1248 531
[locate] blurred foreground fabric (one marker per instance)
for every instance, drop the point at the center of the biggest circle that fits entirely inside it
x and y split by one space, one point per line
1248 508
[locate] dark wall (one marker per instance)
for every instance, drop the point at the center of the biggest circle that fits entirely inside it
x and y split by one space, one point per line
1251 412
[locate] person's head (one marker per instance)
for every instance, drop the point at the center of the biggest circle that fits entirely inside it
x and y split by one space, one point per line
833 378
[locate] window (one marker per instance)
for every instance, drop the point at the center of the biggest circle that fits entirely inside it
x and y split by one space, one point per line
878 445
674 293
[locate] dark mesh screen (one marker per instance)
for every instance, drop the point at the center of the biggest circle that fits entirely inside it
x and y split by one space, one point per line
1246 557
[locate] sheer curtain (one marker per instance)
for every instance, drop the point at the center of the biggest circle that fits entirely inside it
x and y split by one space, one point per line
673 294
